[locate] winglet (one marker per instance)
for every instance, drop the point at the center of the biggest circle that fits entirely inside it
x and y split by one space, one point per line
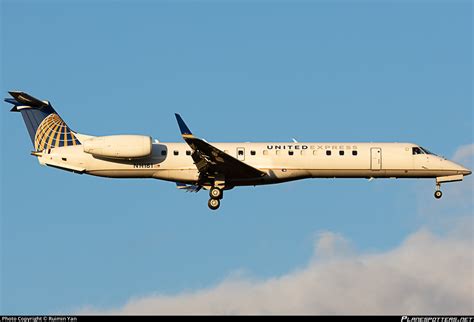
185 131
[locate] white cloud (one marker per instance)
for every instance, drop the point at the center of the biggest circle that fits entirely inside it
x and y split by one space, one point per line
330 245
425 274
464 154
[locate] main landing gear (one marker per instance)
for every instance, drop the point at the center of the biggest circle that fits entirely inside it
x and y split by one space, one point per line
216 195
214 203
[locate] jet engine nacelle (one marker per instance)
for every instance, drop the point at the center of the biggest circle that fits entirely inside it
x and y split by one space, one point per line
119 146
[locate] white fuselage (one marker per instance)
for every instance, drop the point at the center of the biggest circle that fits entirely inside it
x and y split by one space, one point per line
196 164
280 161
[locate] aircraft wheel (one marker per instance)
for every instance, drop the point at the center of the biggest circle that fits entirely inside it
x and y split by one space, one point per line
214 203
438 194
216 193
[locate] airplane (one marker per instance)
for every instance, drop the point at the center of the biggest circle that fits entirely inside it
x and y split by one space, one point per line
197 164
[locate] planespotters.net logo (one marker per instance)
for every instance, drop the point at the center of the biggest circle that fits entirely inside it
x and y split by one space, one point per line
437 318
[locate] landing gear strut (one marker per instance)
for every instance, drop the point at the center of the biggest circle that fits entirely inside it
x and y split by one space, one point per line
438 194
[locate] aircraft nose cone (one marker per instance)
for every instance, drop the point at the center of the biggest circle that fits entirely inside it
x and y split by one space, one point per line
460 169
464 171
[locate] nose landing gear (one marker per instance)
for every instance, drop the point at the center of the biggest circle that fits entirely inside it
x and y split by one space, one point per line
438 194
445 179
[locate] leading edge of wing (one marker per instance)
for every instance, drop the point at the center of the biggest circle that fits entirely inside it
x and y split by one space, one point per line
216 159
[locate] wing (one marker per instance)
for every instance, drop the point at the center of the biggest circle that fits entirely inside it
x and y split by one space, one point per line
211 161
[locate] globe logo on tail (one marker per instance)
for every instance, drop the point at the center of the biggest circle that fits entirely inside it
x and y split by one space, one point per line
52 133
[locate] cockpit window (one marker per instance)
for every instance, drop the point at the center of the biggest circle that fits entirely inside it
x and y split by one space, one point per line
420 150
416 150
426 151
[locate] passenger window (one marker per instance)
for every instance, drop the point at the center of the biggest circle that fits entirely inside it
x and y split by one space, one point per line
315 152
290 152
303 152
354 152
252 152
328 152
163 152
265 152
416 150
175 152
188 152
341 152
278 152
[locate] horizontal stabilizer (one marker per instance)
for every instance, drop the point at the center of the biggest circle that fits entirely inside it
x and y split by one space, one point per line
22 98
46 128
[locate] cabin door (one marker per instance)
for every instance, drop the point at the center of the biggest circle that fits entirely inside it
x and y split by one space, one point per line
375 158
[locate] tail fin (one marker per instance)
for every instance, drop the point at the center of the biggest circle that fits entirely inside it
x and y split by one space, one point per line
47 130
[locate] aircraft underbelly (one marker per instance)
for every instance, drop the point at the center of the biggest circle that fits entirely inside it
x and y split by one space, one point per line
184 175
282 175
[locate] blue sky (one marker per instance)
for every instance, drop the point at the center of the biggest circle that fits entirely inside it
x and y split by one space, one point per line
236 71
